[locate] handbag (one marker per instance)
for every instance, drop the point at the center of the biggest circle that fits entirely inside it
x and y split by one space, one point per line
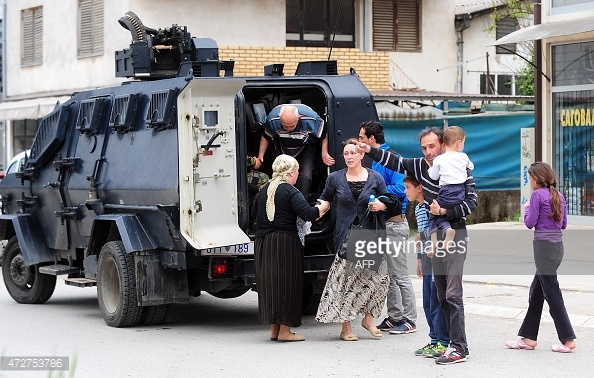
362 246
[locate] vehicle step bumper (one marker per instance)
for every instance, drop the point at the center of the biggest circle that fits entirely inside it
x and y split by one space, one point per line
58 269
80 282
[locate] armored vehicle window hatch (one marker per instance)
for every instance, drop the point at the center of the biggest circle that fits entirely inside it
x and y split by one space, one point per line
50 135
161 113
124 112
92 115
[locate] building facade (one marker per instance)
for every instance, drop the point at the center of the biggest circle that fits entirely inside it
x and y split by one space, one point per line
54 48
567 139
484 68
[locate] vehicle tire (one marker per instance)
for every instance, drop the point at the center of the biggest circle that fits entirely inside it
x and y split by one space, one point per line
226 294
116 286
311 300
154 315
24 283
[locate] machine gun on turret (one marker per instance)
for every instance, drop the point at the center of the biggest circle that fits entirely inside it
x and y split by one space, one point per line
165 53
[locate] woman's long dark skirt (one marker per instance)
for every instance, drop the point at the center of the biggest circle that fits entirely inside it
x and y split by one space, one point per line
279 278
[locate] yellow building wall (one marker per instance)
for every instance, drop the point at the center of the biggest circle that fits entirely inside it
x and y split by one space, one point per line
372 67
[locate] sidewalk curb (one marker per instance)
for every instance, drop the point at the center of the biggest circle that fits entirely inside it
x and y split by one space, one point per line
517 313
524 286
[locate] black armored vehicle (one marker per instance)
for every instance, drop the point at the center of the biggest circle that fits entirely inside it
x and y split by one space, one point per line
141 189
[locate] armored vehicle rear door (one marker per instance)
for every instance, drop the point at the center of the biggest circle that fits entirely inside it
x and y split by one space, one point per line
207 164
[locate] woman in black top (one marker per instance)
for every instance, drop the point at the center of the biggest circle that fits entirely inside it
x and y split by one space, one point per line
352 290
278 253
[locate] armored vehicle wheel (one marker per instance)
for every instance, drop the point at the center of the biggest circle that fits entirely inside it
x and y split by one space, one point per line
154 315
116 286
24 283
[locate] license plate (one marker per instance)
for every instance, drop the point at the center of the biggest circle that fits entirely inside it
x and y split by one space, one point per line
236 249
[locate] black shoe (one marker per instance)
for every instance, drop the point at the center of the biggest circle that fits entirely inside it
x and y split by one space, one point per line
452 355
405 326
388 324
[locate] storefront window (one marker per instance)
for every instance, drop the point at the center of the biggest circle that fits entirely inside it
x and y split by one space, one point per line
573 64
570 6
573 124
574 149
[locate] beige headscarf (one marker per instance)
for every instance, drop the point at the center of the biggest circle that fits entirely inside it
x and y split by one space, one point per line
281 167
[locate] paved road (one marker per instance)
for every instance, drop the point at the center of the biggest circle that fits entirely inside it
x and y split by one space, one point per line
211 337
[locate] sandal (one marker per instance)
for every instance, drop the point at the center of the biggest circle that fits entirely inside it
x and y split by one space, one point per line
560 348
294 337
374 332
349 337
520 344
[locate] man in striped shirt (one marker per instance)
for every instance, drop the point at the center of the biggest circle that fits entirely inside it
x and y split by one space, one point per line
447 267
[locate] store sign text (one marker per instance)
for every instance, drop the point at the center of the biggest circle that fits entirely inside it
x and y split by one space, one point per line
577 117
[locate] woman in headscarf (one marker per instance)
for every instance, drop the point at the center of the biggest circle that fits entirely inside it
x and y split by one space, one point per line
278 253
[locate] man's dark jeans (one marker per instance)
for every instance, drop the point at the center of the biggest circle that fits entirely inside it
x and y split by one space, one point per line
438 329
448 281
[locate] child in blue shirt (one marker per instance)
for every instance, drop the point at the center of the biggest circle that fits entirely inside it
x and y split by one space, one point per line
438 331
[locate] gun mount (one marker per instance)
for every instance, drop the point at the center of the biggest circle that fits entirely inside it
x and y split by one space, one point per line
166 53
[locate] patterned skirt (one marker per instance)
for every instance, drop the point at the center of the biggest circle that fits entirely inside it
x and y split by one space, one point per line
278 259
352 291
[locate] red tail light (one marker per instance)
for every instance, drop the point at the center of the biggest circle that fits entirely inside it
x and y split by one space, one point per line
219 268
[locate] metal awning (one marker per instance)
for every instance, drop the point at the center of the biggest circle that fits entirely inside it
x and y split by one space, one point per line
33 108
549 30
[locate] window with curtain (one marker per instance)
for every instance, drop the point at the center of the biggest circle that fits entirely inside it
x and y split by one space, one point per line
32 36
90 26
397 25
319 22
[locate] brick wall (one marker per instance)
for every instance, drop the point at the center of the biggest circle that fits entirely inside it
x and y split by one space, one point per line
372 67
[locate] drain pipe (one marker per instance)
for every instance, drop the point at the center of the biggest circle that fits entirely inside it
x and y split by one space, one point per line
461 23
368 19
538 98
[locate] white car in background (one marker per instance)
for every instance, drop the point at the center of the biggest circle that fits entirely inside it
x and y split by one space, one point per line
16 163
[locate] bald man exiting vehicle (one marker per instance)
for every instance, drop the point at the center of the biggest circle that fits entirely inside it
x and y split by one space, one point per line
295 130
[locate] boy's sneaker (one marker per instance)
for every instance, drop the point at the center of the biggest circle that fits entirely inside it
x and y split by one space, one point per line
388 324
452 355
437 351
422 351
406 326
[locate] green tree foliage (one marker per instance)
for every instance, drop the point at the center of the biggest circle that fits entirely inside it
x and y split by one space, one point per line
525 79
518 9
521 10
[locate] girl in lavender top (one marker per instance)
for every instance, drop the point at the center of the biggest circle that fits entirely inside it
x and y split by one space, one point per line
546 212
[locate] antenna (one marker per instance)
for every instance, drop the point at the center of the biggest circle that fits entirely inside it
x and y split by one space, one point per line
335 28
